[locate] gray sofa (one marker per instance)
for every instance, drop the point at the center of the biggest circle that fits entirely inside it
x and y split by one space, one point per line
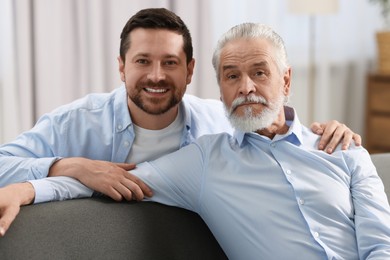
99 228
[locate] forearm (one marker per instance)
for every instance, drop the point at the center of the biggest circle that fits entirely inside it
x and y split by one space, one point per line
59 188
69 167
19 169
24 192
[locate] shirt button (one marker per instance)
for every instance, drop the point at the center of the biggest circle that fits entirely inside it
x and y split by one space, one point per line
316 235
288 172
273 144
126 143
301 201
119 127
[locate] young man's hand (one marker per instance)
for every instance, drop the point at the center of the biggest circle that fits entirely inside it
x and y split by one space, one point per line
11 198
111 179
333 133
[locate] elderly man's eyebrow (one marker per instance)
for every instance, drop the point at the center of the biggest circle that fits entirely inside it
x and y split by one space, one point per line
260 64
257 64
227 67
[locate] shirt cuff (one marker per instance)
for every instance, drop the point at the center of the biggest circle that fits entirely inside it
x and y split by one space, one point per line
43 191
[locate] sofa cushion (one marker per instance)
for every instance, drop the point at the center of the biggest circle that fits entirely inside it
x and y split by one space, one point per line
99 228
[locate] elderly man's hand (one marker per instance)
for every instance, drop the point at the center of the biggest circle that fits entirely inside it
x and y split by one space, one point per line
334 133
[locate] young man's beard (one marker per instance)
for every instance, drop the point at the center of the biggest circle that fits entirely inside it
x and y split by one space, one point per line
250 122
154 106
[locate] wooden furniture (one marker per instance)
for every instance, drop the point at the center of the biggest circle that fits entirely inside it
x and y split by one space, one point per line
377 132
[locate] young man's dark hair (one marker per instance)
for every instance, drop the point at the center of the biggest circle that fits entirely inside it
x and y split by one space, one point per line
156 18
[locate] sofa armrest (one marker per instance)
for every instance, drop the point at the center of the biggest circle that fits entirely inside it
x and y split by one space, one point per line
99 228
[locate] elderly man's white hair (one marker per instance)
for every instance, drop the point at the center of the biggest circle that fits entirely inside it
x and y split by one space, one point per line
252 30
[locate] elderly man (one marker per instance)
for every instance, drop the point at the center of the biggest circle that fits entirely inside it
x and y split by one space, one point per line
265 192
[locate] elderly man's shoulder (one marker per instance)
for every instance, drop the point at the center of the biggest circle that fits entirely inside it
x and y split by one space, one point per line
219 141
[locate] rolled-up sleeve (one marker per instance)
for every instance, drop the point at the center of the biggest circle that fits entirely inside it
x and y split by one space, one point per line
59 188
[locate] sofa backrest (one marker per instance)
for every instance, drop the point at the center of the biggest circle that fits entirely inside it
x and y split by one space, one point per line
99 228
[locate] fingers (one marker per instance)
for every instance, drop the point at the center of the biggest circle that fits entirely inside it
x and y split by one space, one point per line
336 133
328 139
114 180
347 138
8 215
128 188
141 188
342 135
358 139
126 166
317 128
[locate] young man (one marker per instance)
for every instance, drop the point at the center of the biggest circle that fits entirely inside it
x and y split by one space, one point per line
92 138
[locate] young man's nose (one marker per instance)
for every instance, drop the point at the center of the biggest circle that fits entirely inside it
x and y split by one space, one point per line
156 73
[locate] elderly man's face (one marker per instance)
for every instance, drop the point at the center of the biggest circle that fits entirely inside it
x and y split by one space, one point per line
252 88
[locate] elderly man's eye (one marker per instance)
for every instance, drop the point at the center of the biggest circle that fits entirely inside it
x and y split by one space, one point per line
259 73
232 76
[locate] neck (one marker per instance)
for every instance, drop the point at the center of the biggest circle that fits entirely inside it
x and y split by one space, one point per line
149 121
279 127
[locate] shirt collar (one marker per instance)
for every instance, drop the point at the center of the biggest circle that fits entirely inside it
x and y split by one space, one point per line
122 118
122 115
293 135
186 113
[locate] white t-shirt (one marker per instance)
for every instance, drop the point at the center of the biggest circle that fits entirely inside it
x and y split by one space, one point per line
152 144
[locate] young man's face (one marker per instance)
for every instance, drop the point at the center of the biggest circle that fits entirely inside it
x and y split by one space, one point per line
155 71
252 87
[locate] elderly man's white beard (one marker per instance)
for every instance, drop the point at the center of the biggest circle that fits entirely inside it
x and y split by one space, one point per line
250 122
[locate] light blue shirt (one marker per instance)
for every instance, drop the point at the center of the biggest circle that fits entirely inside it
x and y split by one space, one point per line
280 198
97 127
270 199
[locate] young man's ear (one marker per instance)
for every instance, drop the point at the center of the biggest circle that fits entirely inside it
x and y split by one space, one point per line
190 71
121 67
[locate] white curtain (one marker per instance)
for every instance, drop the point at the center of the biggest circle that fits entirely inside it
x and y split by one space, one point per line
54 51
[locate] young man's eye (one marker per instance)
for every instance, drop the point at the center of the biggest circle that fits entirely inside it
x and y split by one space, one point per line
170 62
141 61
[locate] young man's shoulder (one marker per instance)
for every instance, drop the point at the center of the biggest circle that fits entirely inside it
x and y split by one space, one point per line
92 101
206 116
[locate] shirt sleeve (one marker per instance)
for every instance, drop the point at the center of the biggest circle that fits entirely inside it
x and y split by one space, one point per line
372 211
59 188
176 178
30 155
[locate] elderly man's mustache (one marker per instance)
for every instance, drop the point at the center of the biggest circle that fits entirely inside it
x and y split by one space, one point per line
251 99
